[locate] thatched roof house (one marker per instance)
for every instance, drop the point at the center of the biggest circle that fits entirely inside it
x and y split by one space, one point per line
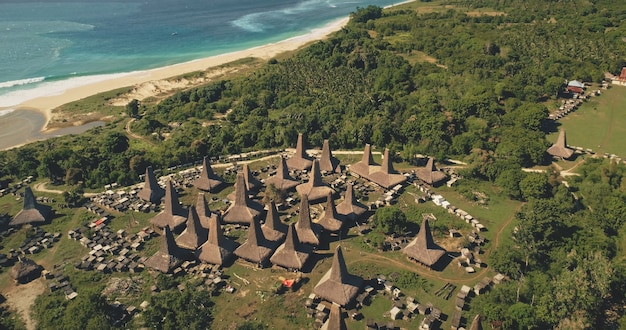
169 255
300 160
423 248
560 149
430 174
204 212
316 189
242 210
335 319
208 181
349 207
386 176
217 249
251 182
329 219
32 212
151 191
256 248
25 270
173 215
194 235
291 254
282 180
273 229
337 285
362 168
329 163
308 232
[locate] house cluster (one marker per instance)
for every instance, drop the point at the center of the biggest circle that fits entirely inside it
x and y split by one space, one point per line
59 282
465 294
14 188
37 241
566 108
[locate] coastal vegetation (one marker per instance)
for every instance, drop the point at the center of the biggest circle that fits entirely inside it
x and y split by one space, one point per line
470 80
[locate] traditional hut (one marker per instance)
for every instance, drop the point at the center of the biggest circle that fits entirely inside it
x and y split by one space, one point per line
300 160
169 255
251 182
217 249
194 235
273 229
25 270
32 212
256 248
208 181
430 174
350 208
204 213
560 149
173 214
308 232
242 210
362 168
335 319
282 180
151 191
423 248
330 220
329 163
387 177
316 189
291 254
337 285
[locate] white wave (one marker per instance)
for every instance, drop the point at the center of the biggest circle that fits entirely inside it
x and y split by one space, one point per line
6 112
250 23
259 22
20 82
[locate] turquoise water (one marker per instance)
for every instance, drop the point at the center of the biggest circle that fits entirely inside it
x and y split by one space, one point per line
47 47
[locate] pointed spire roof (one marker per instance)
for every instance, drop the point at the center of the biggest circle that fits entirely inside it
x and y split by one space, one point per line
251 182
208 181
218 248
349 207
329 220
387 177
282 180
329 163
335 319
273 228
560 149
242 210
256 248
173 214
307 231
316 189
151 191
423 248
194 235
203 210
300 160
169 255
32 212
291 254
430 174
362 168
337 285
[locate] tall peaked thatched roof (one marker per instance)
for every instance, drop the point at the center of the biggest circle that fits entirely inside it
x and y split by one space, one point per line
560 149
273 229
329 163
362 168
430 174
25 270
169 255
218 248
423 248
350 208
208 181
251 182
308 232
32 212
194 235
337 285
330 220
256 248
387 177
300 160
204 212
151 191
242 210
282 180
316 189
335 319
291 254
173 214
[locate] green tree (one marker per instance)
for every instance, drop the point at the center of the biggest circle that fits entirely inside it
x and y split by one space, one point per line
132 108
390 220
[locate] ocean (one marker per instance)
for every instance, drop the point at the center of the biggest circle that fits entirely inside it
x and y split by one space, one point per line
47 46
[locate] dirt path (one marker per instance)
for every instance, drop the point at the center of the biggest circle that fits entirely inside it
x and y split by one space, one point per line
22 297
41 186
130 133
